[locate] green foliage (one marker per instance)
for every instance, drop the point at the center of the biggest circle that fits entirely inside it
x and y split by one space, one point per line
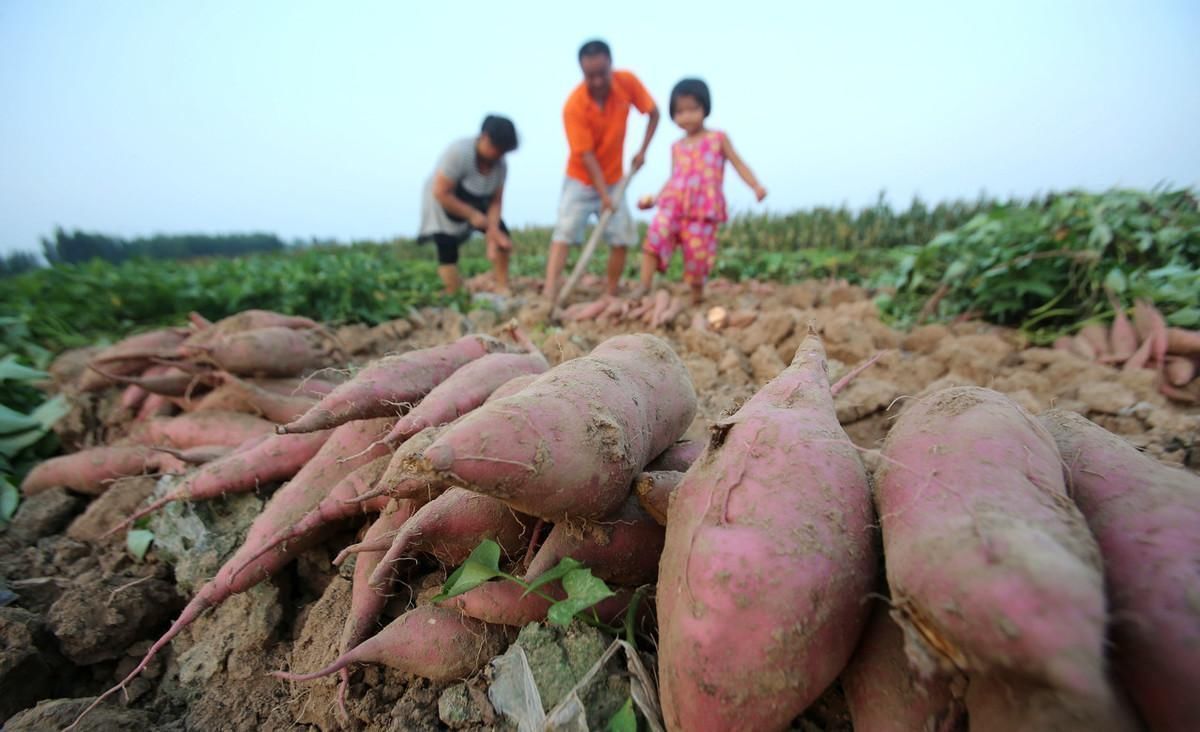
1045 268
27 419
583 590
138 541
75 247
625 720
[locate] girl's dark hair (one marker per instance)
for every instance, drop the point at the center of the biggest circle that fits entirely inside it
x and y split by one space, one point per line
694 88
595 47
501 132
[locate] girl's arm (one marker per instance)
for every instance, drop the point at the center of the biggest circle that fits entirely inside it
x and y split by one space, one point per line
742 169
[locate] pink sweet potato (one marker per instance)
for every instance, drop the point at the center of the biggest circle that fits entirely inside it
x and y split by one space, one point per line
1180 370
501 603
431 642
397 482
92 470
288 505
143 346
1146 519
883 691
678 457
155 405
1122 339
654 490
1006 702
450 526
466 389
159 379
201 428
275 458
336 506
202 454
366 605
570 443
1097 337
1183 342
387 385
990 565
238 395
275 351
623 548
768 560
512 386
132 397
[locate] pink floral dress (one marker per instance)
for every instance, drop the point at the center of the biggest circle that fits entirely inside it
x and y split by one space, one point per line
691 207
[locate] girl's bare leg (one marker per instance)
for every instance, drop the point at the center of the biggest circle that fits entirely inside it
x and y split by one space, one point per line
697 293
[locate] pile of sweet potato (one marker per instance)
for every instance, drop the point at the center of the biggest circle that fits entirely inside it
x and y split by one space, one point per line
1000 570
1146 342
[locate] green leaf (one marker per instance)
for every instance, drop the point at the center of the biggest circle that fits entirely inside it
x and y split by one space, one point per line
10 370
11 445
625 720
13 421
10 498
481 566
566 564
49 412
138 541
583 591
1115 281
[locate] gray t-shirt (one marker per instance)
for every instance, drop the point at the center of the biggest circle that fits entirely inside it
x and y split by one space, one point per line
458 164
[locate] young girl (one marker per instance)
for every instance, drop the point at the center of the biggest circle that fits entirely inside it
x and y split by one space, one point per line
691 205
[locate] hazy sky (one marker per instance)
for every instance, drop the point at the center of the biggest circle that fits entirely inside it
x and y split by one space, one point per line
324 118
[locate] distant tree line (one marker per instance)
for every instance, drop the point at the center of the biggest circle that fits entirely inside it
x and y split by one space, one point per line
71 247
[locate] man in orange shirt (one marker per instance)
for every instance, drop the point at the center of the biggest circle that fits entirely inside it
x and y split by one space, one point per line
594 117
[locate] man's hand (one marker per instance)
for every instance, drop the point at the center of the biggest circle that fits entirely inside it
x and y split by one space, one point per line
497 239
638 161
606 203
760 193
478 220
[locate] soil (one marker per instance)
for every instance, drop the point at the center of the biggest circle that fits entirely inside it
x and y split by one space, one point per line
79 611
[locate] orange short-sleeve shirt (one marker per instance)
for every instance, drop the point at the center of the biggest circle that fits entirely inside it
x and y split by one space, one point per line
602 131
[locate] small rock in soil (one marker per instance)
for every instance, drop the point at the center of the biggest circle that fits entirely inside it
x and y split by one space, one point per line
59 713
43 514
98 620
109 509
27 661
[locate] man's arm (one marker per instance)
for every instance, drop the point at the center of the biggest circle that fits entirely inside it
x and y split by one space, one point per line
494 234
443 193
593 167
640 158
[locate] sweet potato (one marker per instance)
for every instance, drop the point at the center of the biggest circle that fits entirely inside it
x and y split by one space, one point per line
238 395
132 397
275 351
654 490
335 506
1183 342
502 603
1006 702
449 527
1180 370
431 642
366 605
622 548
570 443
466 389
397 482
203 453
143 346
290 503
884 693
1122 339
678 457
277 457
90 471
1146 519
155 405
768 560
160 379
971 479
1097 337
255 319
201 428
387 385
1082 347
1140 357
1146 317
512 386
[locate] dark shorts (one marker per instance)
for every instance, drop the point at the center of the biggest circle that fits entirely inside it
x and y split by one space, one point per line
448 244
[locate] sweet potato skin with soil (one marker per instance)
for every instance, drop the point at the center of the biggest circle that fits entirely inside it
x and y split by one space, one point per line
768 561
988 560
1146 519
570 443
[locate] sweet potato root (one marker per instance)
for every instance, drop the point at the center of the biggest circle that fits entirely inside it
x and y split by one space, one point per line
274 351
1146 519
570 443
201 428
972 479
623 548
654 490
768 560
92 470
